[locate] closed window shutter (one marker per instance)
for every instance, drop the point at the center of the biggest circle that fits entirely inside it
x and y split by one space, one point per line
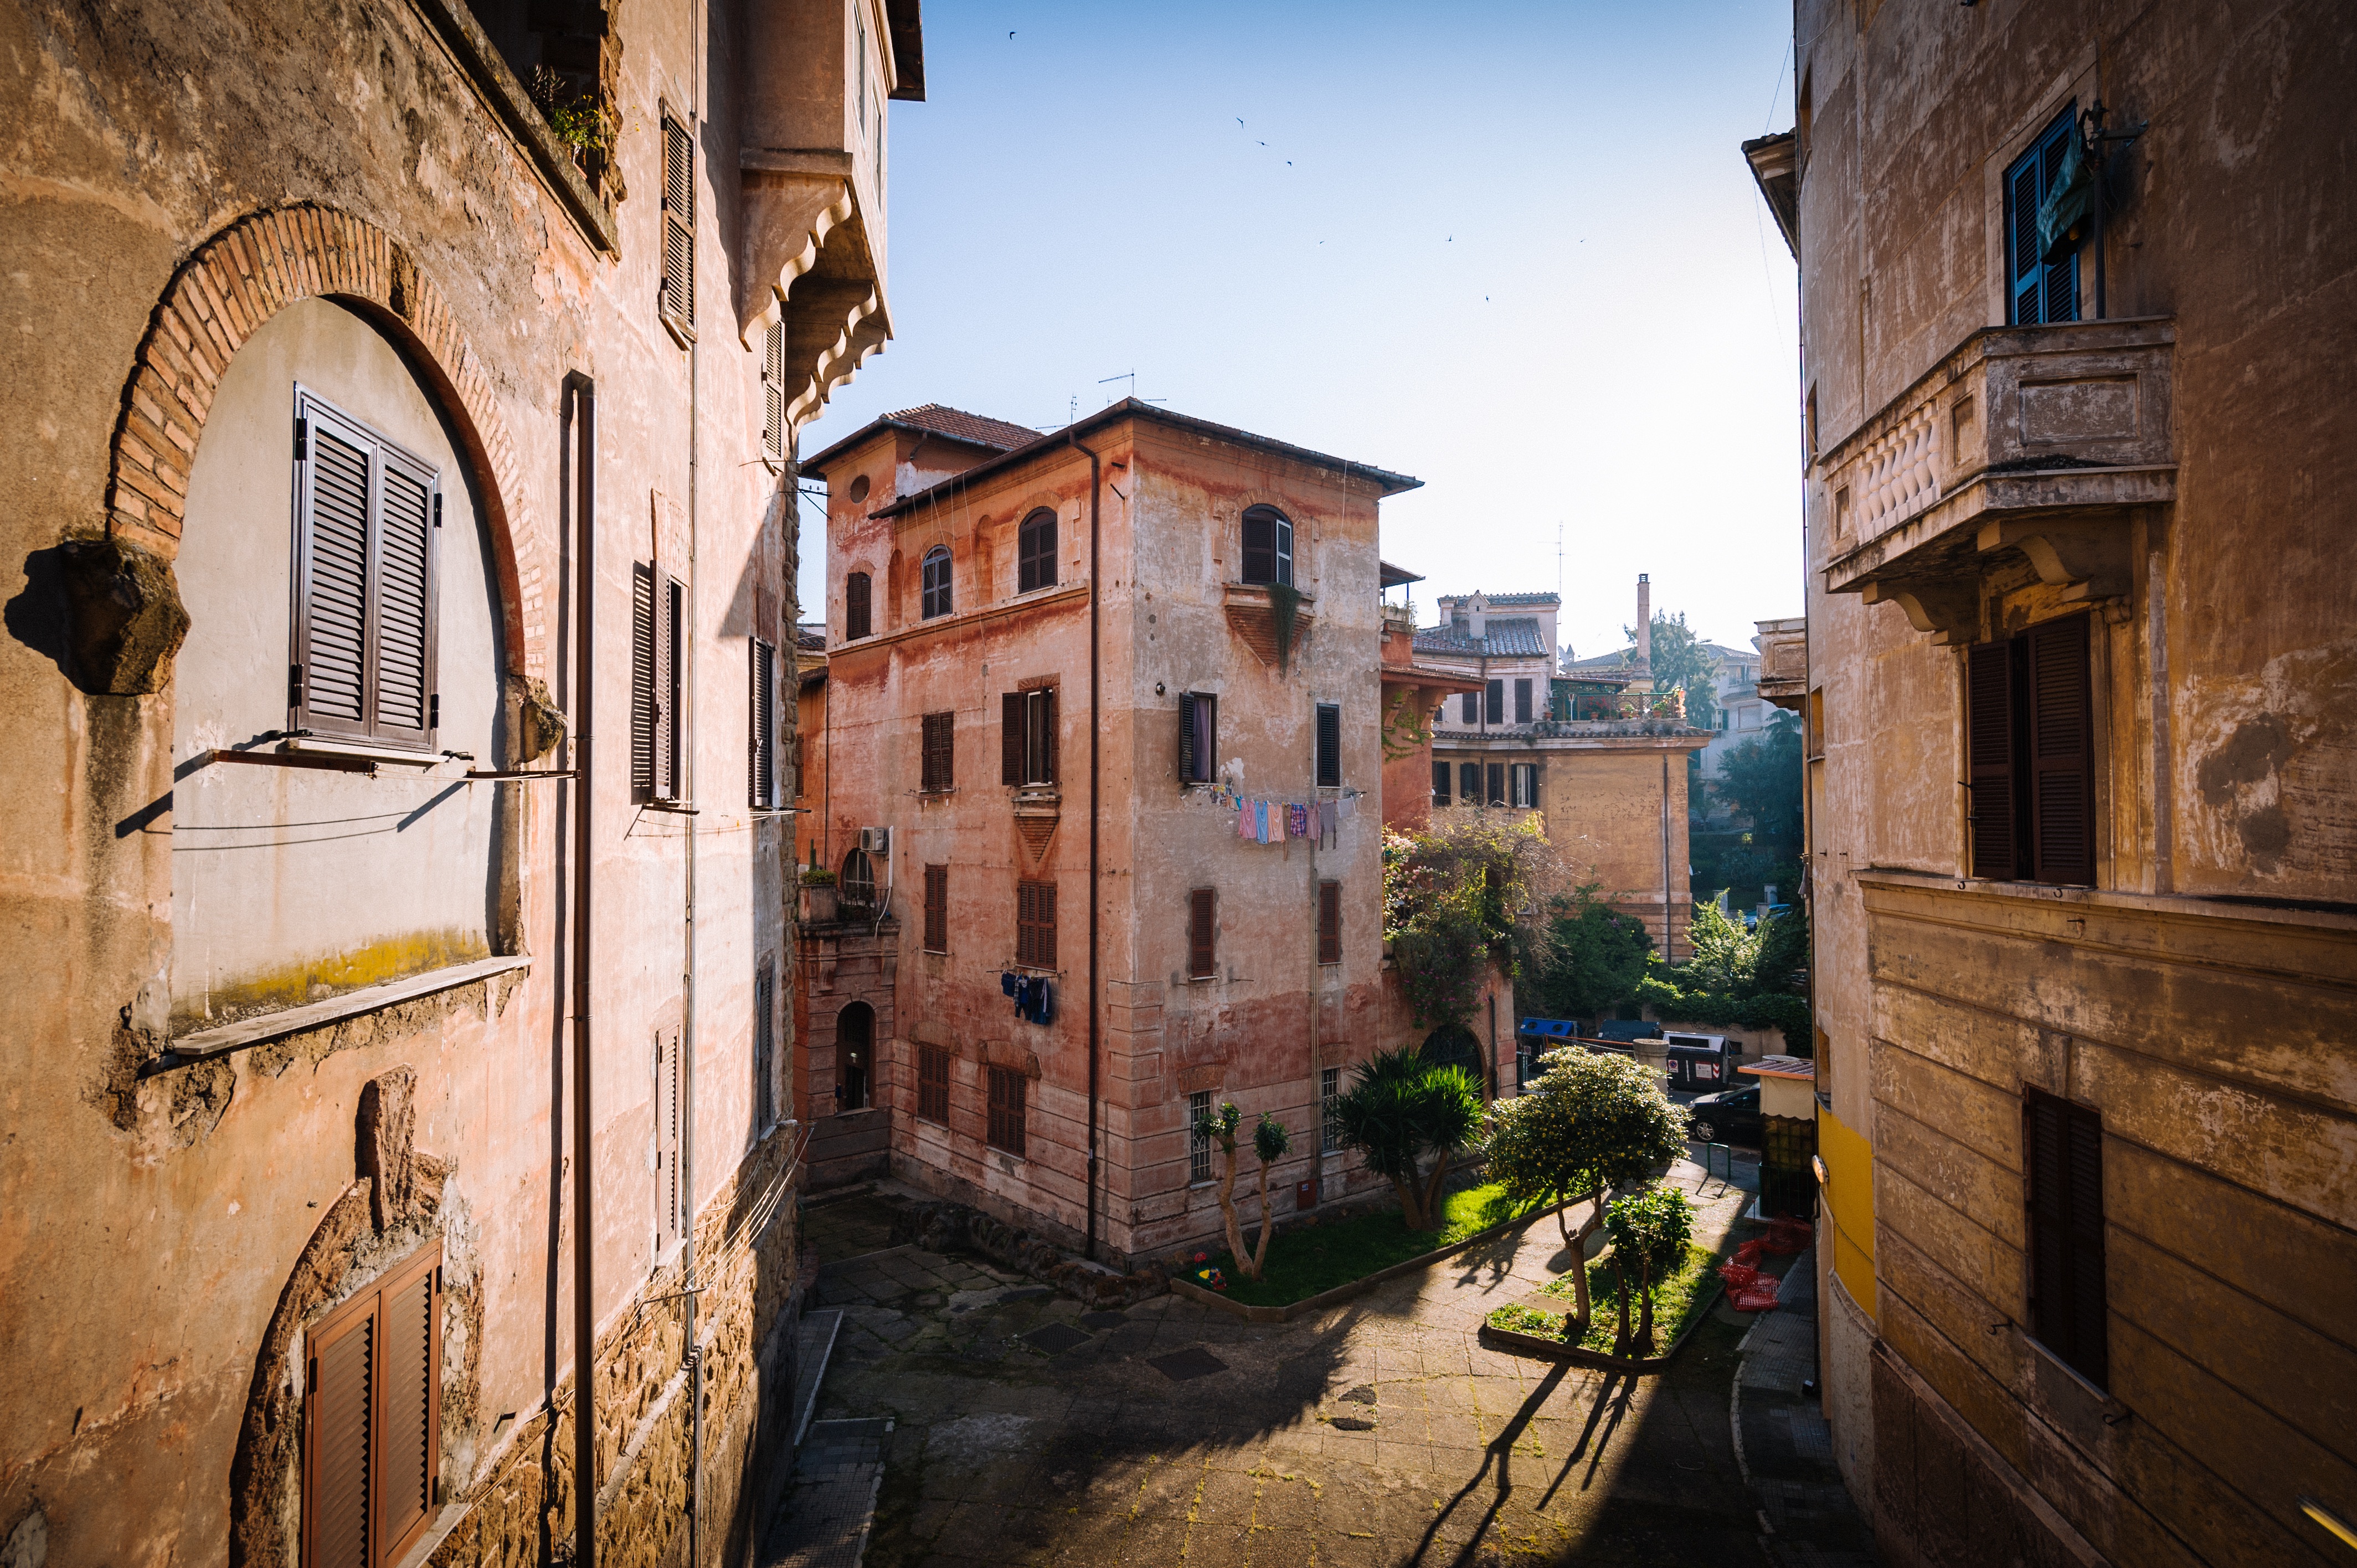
404 622
1468 708
1329 922
1440 783
1260 548
1044 943
765 1044
1497 795
1537 777
1521 702
341 1433
939 768
1201 936
763 767
2029 288
367 525
855 607
334 647
1496 699
2061 808
679 223
1469 783
1189 758
405 1489
671 606
1988 741
1010 739
937 909
1046 706
642 682
1330 745
1027 924
2063 1151
1036 552
773 394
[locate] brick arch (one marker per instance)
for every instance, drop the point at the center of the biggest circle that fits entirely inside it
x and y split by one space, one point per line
223 294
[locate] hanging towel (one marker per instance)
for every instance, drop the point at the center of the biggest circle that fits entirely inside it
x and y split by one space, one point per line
1243 820
1297 823
1316 822
1260 822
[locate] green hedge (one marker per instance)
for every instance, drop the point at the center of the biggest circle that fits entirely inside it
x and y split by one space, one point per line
1772 1011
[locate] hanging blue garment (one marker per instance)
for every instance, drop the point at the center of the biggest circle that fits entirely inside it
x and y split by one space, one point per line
1007 980
1043 1002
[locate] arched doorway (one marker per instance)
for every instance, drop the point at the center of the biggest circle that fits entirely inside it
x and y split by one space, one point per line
1454 1046
855 1056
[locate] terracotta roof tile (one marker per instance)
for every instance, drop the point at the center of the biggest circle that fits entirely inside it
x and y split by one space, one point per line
1508 637
978 428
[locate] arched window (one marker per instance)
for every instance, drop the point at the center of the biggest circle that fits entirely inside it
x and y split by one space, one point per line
936 583
1035 552
1268 546
856 622
855 886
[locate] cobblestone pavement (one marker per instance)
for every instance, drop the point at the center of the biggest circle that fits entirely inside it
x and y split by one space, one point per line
1380 1432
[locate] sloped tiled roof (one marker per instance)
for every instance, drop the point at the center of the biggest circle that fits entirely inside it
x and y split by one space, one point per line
1509 638
1521 600
978 428
811 638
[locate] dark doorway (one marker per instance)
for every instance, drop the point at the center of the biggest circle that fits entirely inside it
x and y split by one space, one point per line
854 1052
1456 1047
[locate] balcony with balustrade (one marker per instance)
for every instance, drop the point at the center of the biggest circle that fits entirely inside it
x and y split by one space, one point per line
2024 443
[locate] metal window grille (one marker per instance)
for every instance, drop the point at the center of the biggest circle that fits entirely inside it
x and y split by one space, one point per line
1199 1143
1330 1110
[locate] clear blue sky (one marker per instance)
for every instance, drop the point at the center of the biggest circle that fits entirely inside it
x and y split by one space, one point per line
1512 249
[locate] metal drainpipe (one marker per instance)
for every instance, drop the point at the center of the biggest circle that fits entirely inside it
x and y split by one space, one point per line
585 1325
1095 733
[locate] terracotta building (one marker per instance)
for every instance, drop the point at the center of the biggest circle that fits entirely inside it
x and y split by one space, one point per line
1601 766
400 415
1054 675
2080 700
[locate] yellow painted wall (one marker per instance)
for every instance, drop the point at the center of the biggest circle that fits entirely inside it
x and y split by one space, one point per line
1849 1203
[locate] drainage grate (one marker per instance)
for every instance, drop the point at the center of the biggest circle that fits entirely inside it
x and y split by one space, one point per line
1192 1363
1055 1338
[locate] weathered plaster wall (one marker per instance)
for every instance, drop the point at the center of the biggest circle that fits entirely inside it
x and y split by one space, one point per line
228 163
2223 687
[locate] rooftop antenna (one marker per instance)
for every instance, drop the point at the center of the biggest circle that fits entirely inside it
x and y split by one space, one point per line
1129 376
1558 583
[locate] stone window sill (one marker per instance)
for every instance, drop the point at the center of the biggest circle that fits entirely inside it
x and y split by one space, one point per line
316 1014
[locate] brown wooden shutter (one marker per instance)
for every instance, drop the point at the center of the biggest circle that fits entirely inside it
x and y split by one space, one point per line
340 1438
642 682
1538 777
331 647
2061 804
855 613
1329 922
1440 783
1330 745
1026 923
405 1420
1988 744
937 909
2063 1145
1187 764
1202 933
939 765
1010 739
1048 738
1044 943
1497 795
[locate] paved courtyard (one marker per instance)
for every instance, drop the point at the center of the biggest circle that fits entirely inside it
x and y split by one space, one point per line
1026 1431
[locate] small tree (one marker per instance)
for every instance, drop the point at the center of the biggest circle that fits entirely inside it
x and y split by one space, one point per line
1650 1232
1589 1123
1585 959
1400 1107
1761 778
1271 1142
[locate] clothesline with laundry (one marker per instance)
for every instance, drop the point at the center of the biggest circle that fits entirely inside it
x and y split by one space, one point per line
1276 822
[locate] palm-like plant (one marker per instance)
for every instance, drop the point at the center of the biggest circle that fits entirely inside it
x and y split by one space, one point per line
1399 1109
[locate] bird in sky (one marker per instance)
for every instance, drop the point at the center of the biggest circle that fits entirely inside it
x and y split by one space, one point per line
1010 33
1239 119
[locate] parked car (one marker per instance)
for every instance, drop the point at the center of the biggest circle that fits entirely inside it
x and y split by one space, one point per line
1730 1116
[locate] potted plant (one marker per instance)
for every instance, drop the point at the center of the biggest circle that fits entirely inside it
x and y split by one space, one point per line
818 892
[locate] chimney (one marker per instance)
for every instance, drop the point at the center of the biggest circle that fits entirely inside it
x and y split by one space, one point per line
1644 624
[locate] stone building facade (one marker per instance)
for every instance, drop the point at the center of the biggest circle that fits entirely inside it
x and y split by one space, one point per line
1054 668
2078 720
1603 767
402 403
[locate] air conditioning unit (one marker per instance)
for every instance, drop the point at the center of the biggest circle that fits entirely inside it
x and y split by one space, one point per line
877 841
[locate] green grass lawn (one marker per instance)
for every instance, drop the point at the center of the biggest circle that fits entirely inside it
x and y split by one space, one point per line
1309 1260
1676 1302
